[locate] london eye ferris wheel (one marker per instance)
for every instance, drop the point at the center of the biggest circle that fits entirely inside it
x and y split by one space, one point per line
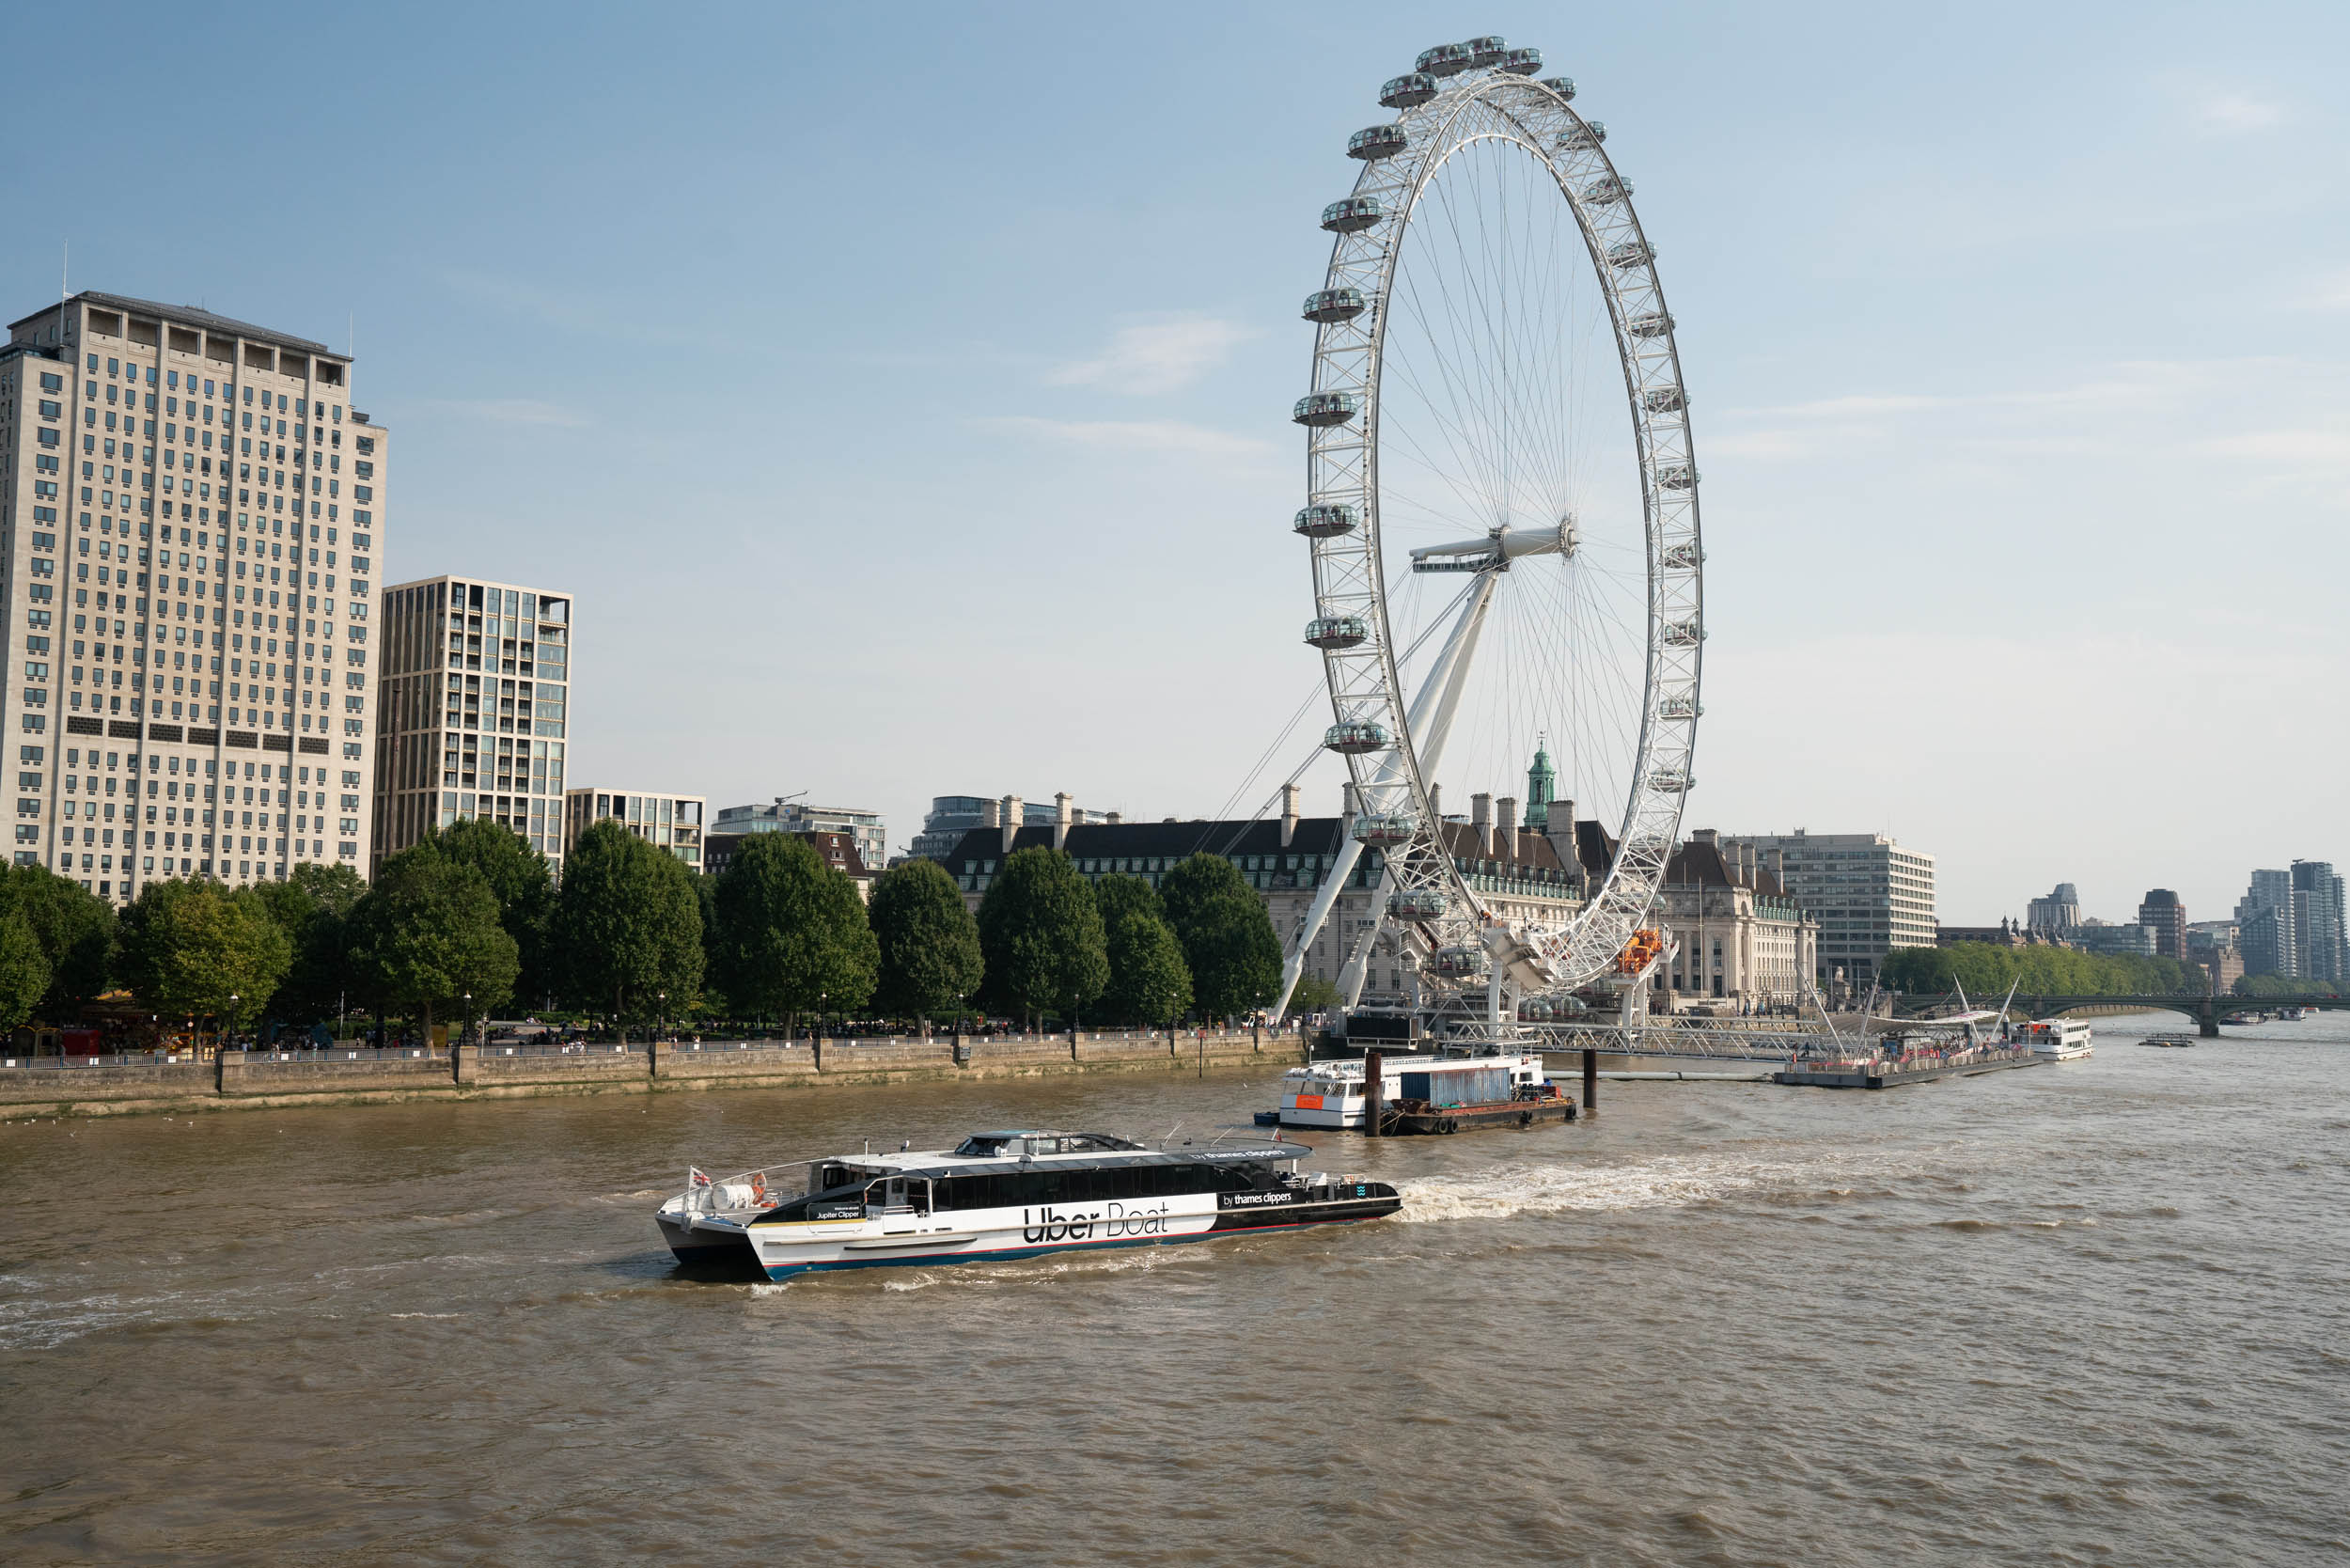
1502 513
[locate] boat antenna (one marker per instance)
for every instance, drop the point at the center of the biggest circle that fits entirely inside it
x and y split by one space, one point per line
1168 1137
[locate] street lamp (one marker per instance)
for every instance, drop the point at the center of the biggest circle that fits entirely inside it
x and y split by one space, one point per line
468 1034
663 1022
232 1019
820 997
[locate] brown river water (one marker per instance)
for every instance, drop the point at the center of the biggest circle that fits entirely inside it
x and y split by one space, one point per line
2093 1313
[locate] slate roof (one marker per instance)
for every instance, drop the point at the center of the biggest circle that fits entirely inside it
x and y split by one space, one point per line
1704 866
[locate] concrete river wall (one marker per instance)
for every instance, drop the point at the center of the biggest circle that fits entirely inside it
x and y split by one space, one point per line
242 1079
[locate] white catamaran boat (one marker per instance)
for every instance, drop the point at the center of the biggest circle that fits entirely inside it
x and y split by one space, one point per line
2056 1039
1331 1093
1000 1196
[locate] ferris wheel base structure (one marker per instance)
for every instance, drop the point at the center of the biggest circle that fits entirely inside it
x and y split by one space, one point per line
1485 215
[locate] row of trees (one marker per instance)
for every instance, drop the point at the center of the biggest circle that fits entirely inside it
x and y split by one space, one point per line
472 919
1985 969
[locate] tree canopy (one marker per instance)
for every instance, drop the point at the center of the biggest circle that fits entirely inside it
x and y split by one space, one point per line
429 935
1987 970
1150 979
1041 936
928 941
523 884
76 932
314 907
1228 938
23 970
628 924
204 949
791 932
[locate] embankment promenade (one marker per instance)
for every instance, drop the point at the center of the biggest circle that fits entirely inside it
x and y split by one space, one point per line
263 1081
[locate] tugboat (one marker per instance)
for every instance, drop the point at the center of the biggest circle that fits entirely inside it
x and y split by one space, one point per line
1001 1195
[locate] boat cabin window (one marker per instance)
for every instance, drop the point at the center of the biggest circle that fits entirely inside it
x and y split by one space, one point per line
899 1195
1017 1189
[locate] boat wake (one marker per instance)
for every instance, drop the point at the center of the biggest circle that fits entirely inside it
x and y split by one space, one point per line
1664 1182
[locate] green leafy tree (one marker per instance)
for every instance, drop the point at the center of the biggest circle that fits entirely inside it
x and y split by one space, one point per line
628 925
23 970
428 935
314 908
1985 970
1227 936
1041 936
76 930
1313 995
523 886
928 942
792 931
203 950
1149 983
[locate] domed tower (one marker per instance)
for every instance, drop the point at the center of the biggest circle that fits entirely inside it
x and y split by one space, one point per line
1541 783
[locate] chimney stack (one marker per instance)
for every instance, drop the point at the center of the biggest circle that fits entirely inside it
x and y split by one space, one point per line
1559 827
1012 811
988 817
1748 862
1481 822
1289 813
1060 821
1505 826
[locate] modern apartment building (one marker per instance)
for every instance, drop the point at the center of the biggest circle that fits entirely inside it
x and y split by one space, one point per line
191 511
672 822
1869 894
2056 913
2161 913
2317 921
2264 917
864 827
476 705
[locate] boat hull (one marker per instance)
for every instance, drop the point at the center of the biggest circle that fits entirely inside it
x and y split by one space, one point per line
1236 1215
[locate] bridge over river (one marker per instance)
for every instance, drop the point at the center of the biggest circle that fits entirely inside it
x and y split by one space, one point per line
2205 1008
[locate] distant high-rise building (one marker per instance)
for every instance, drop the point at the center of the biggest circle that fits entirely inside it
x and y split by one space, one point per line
2056 913
2264 925
190 515
476 678
2317 922
2097 936
2161 913
1869 894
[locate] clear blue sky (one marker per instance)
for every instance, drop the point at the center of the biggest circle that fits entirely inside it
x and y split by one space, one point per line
903 390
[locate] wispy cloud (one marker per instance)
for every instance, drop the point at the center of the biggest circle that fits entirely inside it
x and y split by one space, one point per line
1156 356
2235 112
508 411
1132 435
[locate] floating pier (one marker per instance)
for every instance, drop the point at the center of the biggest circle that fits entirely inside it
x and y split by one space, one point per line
1893 1072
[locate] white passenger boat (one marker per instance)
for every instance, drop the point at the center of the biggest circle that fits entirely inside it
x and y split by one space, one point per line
2056 1039
1332 1093
999 1195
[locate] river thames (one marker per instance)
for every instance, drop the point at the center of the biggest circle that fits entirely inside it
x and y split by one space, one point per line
2093 1313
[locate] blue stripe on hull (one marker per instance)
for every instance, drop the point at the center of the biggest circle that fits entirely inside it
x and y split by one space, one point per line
1017 1254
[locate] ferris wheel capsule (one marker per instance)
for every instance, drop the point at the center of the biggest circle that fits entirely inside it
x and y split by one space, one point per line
1326 408
1683 633
1374 142
1562 86
1671 780
1631 253
1678 476
1353 214
1683 557
1445 59
1521 62
1487 51
1585 136
1386 829
1418 903
1607 190
1407 92
1326 521
1459 963
1356 737
1650 323
1332 632
1537 1010
1680 708
1334 305
1664 399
